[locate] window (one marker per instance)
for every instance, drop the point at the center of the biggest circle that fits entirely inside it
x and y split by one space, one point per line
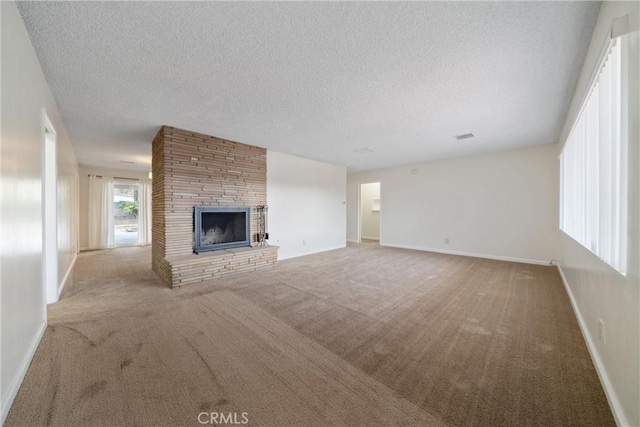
593 170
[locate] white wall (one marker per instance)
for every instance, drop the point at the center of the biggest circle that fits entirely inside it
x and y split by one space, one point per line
502 205
84 193
597 290
370 219
25 95
68 203
306 202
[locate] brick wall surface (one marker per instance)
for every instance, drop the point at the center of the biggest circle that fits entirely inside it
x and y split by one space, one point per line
192 169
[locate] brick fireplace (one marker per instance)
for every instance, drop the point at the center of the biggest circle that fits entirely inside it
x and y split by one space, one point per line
192 169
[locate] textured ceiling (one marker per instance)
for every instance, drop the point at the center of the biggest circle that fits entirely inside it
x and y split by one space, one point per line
317 80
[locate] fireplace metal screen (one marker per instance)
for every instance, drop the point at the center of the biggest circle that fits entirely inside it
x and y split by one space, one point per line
217 227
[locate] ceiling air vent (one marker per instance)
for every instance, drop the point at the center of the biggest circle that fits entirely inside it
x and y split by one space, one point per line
363 150
127 162
464 136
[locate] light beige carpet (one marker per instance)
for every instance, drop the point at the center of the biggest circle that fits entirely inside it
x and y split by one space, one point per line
361 336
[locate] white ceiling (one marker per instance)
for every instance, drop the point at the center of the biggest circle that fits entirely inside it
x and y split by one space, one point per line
317 80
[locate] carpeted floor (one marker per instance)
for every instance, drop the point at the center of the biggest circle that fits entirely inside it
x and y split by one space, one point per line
360 336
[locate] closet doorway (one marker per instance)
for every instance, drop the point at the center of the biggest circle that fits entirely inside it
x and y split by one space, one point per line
369 215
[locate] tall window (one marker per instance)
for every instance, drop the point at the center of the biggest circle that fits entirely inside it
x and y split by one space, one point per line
593 170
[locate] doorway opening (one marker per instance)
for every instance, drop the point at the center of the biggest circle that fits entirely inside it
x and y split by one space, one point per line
49 212
369 213
126 207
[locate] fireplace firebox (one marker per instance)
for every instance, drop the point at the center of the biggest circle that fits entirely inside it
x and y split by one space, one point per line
221 227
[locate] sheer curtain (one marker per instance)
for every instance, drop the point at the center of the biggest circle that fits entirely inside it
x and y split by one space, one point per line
101 233
144 214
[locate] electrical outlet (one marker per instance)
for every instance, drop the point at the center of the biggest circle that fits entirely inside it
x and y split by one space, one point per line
446 240
601 331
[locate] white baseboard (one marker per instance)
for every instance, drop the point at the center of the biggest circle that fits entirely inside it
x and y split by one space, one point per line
370 238
315 251
470 254
67 275
16 382
351 241
614 403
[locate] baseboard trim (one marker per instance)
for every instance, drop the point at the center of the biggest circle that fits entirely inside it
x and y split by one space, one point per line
16 382
614 403
315 251
351 241
469 254
66 276
370 238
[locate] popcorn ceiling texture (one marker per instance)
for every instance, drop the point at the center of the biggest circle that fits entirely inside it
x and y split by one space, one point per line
316 80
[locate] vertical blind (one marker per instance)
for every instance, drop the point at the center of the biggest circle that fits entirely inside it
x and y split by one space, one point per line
593 173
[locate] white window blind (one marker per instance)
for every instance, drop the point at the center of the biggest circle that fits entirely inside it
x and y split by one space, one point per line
593 173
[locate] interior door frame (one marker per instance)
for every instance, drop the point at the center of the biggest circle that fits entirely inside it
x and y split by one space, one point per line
50 275
359 228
